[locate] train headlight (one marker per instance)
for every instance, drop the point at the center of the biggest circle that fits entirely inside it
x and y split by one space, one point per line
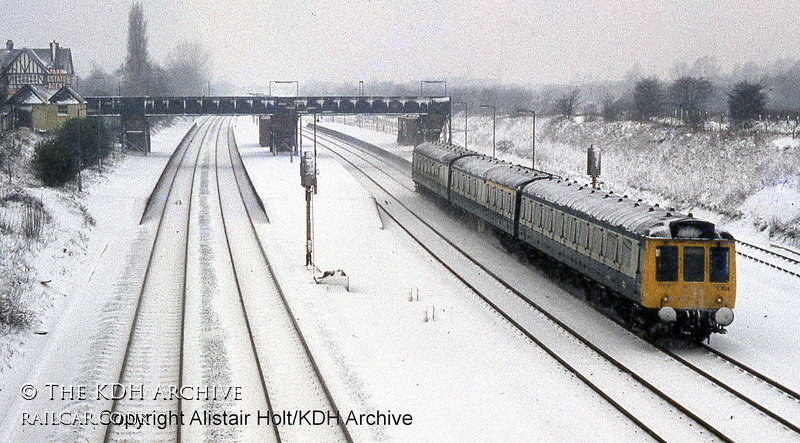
719 300
724 316
667 314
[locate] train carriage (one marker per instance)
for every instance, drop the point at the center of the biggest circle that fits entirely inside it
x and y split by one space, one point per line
489 189
431 166
678 272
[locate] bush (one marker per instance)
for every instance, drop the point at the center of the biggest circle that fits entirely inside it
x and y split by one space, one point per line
54 162
12 315
79 143
746 102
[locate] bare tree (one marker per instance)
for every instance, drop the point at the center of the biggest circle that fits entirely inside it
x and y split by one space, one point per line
567 104
99 82
9 151
690 96
189 68
648 99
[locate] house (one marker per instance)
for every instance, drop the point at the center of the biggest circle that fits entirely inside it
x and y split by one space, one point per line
48 68
40 108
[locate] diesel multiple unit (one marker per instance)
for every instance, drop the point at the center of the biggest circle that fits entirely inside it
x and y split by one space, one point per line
672 273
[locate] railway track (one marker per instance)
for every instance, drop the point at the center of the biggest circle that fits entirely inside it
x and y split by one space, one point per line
766 257
211 321
747 394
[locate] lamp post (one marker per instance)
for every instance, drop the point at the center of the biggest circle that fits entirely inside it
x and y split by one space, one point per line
533 135
465 121
285 82
433 82
494 125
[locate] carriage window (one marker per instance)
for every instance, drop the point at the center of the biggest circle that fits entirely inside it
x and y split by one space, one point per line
568 228
694 263
597 247
548 219
627 249
558 223
537 215
585 235
611 247
719 264
667 263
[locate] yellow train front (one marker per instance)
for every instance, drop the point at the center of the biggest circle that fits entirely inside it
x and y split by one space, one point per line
691 282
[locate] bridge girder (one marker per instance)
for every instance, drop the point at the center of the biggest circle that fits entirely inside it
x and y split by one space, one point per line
257 105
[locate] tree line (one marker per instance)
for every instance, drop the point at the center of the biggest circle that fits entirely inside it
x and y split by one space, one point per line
187 70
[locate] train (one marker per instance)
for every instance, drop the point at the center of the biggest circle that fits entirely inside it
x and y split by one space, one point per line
665 273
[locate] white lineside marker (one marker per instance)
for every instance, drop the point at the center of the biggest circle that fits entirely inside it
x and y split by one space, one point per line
414 295
429 314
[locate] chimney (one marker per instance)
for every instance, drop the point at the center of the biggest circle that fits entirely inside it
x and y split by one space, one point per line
10 45
53 52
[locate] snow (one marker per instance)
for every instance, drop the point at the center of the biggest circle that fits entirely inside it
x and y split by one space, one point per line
408 337
82 262
465 375
767 299
779 201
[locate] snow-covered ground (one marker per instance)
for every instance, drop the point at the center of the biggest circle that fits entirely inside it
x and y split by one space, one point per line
465 375
767 299
74 270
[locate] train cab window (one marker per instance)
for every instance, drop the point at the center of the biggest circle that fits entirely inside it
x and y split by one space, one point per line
667 263
719 264
694 263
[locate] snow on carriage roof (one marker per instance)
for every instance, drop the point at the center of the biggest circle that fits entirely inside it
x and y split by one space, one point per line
442 152
499 171
631 215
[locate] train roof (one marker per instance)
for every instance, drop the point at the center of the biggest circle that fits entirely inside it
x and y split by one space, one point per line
631 215
627 214
501 172
442 152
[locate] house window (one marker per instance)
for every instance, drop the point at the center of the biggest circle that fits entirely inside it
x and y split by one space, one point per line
63 110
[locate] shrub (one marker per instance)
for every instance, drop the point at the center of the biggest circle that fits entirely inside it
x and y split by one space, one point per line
79 143
746 102
12 315
54 162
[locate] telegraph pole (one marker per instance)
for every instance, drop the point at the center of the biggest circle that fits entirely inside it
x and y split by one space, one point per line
308 179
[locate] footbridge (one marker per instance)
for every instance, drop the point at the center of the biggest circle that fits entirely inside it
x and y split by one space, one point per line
278 116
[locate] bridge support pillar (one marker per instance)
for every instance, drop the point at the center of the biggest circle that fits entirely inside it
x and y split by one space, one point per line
135 127
265 131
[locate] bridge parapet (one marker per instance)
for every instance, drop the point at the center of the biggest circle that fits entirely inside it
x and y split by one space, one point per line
263 105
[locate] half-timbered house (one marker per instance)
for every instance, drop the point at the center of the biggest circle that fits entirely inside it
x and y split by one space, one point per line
47 68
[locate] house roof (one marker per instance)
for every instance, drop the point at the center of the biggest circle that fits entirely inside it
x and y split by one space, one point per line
30 95
66 96
44 56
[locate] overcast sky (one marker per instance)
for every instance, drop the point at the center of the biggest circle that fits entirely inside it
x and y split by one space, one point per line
511 41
